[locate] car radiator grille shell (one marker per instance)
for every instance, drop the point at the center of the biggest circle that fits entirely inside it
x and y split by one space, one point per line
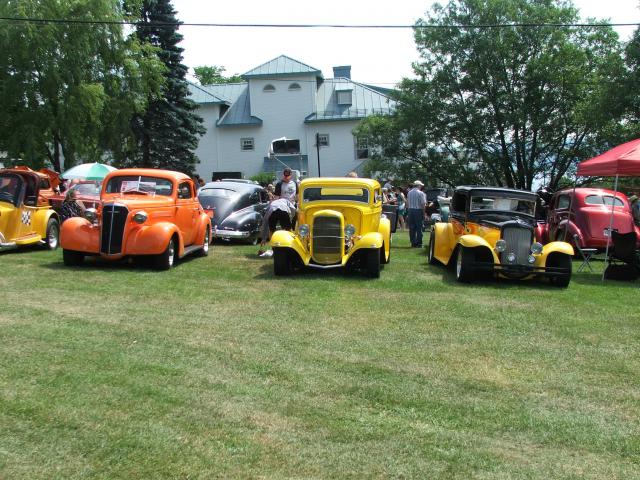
327 240
114 219
518 242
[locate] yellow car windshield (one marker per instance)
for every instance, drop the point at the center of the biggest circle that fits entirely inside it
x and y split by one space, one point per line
351 194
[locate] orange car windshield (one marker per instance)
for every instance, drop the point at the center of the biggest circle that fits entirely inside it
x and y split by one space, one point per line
134 184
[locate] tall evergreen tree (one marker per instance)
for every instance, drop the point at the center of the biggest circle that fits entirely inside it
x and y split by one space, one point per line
169 131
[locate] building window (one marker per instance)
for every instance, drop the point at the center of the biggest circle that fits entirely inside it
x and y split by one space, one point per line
323 139
246 144
362 148
223 110
269 88
344 97
295 86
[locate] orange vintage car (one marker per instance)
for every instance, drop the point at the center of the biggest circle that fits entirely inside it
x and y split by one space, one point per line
142 212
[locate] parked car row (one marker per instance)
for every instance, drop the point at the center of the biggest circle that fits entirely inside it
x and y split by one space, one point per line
159 215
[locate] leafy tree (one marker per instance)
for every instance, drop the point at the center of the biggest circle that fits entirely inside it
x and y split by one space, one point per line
503 105
65 89
168 132
209 75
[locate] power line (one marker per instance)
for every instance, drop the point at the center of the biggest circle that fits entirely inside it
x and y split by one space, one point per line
318 25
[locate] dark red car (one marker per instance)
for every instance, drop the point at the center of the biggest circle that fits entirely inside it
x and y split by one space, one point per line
586 218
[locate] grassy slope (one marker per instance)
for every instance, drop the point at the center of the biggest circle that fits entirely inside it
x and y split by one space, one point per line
217 369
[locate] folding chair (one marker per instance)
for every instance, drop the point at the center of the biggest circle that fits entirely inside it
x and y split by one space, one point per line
585 253
624 259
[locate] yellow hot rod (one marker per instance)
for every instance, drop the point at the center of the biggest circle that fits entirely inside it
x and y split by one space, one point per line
340 224
491 231
26 217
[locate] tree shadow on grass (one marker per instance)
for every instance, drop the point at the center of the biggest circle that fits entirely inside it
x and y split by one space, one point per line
127 264
309 273
493 282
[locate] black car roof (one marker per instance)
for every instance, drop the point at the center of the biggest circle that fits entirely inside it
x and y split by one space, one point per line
235 186
499 190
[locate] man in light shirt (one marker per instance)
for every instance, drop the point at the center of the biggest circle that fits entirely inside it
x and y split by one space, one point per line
416 203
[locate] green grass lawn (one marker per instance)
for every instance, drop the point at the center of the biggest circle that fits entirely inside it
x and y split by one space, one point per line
216 369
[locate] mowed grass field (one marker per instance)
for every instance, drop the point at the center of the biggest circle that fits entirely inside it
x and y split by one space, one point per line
216 369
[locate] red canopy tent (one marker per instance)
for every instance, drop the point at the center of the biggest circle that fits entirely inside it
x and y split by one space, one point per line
620 161
623 160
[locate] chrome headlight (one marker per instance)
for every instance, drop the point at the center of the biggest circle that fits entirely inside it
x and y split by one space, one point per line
140 217
349 231
536 248
531 259
91 214
303 230
501 245
511 257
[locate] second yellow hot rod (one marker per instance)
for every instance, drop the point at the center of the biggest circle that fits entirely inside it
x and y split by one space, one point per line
340 224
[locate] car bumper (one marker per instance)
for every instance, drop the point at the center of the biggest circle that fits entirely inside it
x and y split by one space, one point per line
231 234
519 271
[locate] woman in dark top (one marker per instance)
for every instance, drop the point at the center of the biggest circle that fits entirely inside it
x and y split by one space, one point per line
71 207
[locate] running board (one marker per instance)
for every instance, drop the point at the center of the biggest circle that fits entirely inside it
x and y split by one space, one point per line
191 248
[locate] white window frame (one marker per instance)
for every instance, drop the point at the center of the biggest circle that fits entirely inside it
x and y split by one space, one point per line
247 144
323 140
362 144
345 97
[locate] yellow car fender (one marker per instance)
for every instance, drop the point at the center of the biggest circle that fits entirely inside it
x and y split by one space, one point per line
385 230
41 218
445 241
472 241
288 239
553 247
369 240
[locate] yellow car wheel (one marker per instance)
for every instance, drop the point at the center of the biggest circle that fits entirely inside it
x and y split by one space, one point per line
52 235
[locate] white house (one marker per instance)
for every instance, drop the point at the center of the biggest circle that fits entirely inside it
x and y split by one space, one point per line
285 98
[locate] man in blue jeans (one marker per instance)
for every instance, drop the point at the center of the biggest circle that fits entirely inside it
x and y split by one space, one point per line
416 203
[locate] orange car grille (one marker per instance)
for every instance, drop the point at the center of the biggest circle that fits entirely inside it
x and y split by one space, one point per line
114 218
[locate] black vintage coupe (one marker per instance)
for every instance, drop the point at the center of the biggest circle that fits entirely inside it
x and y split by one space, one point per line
236 209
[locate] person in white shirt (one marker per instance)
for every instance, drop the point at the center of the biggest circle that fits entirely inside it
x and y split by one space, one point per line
287 187
416 203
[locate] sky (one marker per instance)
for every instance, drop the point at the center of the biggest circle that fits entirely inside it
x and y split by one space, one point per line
376 56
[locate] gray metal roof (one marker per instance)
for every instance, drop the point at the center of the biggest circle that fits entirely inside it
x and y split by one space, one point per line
202 95
365 101
240 112
282 66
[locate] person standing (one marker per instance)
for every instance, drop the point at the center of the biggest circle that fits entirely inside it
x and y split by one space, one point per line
635 209
416 203
280 212
402 207
287 187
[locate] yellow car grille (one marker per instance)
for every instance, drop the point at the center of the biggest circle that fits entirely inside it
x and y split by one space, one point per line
327 240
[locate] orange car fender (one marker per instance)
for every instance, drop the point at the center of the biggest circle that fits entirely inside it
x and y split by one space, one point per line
79 234
204 224
152 239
